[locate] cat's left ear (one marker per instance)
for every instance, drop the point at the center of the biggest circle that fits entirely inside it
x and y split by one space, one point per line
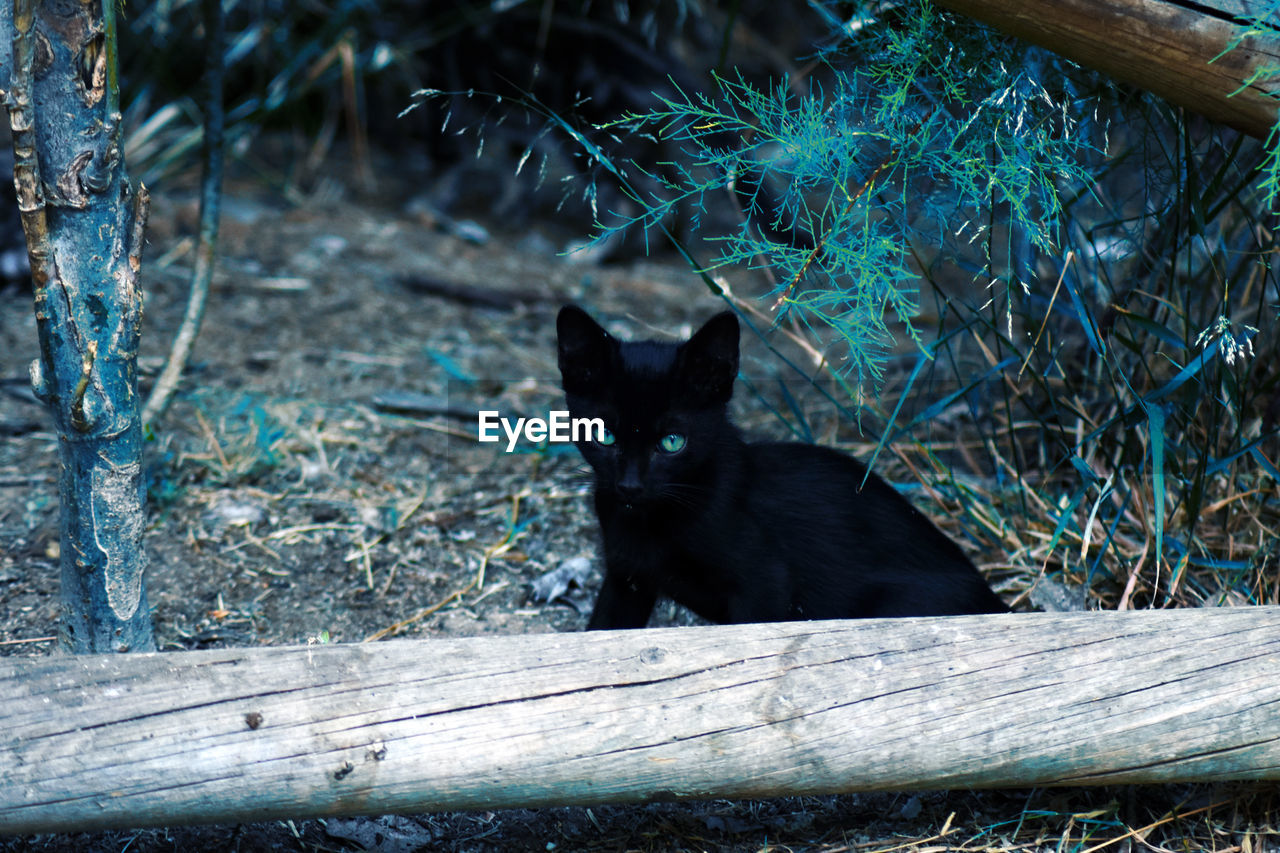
585 351
708 362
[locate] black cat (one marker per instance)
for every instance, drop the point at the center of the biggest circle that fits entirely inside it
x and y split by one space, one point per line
738 532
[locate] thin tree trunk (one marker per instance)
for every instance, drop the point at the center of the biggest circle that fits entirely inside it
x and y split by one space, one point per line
84 228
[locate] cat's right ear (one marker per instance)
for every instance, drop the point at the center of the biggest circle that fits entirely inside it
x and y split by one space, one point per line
584 350
708 362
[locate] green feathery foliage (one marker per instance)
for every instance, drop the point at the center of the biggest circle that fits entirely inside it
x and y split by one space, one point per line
909 142
1264 20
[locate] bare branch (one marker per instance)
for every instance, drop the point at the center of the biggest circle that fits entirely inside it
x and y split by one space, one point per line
210 197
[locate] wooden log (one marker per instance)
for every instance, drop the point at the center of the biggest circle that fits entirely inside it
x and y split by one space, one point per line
732 711
1169 47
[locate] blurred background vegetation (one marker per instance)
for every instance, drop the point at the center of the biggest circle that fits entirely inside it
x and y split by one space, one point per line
1057 291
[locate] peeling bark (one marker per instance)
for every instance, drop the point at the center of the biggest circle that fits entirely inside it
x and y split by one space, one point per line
84 228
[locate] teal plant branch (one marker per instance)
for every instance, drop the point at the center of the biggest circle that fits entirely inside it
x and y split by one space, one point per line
920 144
929 132
1264 79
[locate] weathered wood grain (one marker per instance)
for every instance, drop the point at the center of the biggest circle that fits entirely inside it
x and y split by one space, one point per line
1170 47
733 711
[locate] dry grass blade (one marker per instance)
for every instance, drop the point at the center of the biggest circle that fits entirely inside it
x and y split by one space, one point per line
392 630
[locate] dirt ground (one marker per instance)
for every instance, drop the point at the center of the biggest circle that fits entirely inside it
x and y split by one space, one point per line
316 481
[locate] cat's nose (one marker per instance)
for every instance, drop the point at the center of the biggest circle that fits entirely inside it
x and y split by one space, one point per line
630 490
630 486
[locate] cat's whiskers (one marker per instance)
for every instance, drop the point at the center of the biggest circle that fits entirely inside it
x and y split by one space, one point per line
683 494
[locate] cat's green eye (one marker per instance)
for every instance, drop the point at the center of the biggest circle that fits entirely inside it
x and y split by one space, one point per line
672 443
606 438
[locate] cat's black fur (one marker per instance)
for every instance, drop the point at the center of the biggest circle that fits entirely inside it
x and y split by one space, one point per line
739 532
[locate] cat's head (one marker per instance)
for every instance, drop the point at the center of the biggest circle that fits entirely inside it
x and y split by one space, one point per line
662 404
